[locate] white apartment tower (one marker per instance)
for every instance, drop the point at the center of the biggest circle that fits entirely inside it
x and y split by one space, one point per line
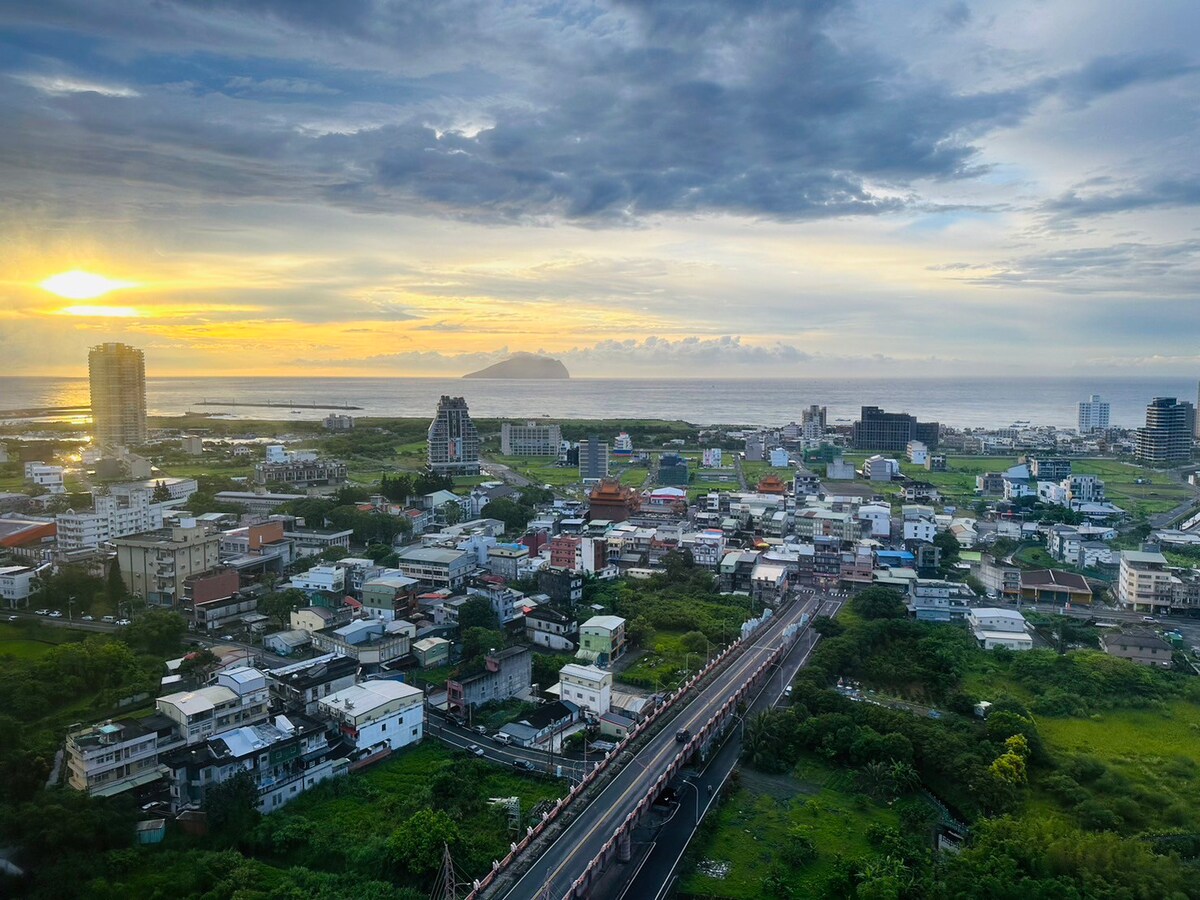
1093 414
117 376
530 439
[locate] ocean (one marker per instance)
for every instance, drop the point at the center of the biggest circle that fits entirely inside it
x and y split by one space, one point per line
962 402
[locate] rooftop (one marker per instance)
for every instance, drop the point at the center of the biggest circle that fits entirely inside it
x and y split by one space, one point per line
609 622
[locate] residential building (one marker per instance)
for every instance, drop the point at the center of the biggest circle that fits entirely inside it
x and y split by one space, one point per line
238 697
117 382
711 458
756 447
561 584
602 639
1144 583
880 468
920 492
935 463
287 643
547 627
453 441
593 459
1080 489
622 445
112 516
390 596
157 565
999 579
16 584
192 444
376 714
587 687
917 452
298 687
1168 433
805 483
812 421
215 600
933 600
891 432
1049 469
373 643
530 439
541 725
920 530
504 560
436 567
176 488
768 583
707 547
331 579
431 652
255 503
876 519
284 758
838 469
1143 649
119 754
990 484
507 673
316 618
306 473
995 627
1054 586
338 422
52 478
1093 414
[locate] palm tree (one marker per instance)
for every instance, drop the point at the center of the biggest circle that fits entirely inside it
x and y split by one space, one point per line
903 776
875 777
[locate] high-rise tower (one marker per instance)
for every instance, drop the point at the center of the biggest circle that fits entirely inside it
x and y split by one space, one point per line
1167 436
117 374
453 439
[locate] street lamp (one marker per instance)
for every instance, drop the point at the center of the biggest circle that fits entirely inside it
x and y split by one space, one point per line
70 604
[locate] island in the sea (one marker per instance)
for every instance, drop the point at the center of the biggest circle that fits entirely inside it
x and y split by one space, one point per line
524 365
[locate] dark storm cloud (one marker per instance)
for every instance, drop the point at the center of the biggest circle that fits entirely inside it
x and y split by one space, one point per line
592 114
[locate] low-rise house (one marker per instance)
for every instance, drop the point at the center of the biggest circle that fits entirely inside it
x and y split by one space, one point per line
876 519
503 560
298 687
318 541
561 585
768 583
548 627
390 596
284 759
507 673
921 492
587 687
320 578
1143 649
1000 579
287 643
602 639
119 755
990 484
372 642
431 652
316 618
615 725
435 567
375 714
920 530
736 570
994 627
16 584
541 725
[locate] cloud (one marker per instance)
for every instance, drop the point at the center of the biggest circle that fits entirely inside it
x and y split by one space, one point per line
245 85
1078 202
56 85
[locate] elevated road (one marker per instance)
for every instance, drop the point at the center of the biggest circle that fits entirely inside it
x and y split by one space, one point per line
554 873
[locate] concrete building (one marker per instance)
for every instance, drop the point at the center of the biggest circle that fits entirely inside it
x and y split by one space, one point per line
431 652
994 627
117 381
609 500
548 627
530 439
239 697
813 422
301 473
331 579
1054 586
369 641
587 687
283 758
1143 649
891 432
561 585
375 714
1045 468
602 639
1168 433
1093 414
672 469
52 478
299 687
453 441
192 444
119 755
880 468
112 516
593 459
338 422
436 567
504 560
390 596
756 447
507 673
1144 583
16 584
932 600
156 565
917 452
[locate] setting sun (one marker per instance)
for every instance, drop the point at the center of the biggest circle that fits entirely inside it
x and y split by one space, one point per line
77 285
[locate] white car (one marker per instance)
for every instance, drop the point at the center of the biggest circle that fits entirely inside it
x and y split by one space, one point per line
124 622
55 614
43 612
87 619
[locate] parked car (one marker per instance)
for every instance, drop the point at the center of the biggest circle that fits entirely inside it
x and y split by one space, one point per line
12 618
1150 619
87 618
124 622
502 738
43 612
108 619
524 765
480 729
475 750
55 614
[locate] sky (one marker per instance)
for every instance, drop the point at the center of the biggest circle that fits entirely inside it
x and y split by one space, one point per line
670 188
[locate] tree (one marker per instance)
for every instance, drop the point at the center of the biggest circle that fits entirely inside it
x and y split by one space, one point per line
232 805
879 603
116 584
694 642
415 848
201 663
477 612
161 493
452 512
478 641
281 604
514 515
157 631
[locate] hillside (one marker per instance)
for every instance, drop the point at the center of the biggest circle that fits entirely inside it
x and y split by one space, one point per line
524 365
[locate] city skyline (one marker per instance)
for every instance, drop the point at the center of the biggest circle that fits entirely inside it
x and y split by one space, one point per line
673 190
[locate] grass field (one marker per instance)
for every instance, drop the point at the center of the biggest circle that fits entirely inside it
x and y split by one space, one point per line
29 640
665 664
753 824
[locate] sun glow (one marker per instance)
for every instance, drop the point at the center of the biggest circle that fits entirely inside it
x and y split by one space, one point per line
102 312
77 285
